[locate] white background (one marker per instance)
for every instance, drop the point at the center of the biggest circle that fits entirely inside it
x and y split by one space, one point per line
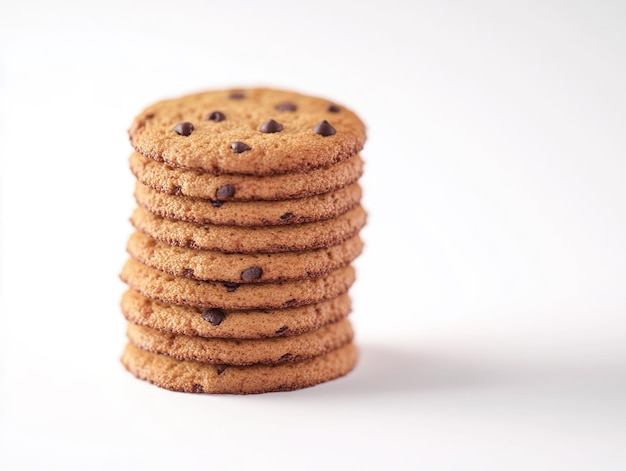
491 302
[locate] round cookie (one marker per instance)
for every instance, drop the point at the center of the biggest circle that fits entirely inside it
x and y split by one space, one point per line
211 265
177 181
219 323
242 352
249 213
210 294
242 239
197 377
253 132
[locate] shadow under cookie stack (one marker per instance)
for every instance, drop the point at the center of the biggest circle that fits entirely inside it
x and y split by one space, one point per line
247 222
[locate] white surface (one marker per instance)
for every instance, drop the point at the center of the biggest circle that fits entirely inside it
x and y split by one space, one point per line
490 306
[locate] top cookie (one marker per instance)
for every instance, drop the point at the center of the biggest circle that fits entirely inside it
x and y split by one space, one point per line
252 132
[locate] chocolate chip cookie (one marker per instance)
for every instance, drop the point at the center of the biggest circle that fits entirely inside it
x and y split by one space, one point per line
253 132
249 213
242 352
177 181
247 294
247 223
251 239
228 323
213 265
197 377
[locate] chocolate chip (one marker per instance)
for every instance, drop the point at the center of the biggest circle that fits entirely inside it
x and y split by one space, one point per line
225 191
216 116
197 388
281 330
271 126
286 216
237 95
230 287
333 108
221 369
176 190
214 316
286 107
323 128
184 129
239 147
216 203
188 273
252 273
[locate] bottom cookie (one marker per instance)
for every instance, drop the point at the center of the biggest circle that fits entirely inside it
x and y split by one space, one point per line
192 376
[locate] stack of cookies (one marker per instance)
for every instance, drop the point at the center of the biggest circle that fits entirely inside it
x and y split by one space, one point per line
247 222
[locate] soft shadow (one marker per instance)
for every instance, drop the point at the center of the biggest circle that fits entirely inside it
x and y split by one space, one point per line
396 371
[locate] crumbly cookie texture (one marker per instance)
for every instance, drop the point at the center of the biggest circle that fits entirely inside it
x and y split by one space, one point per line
249 213
177 181
254 132
197 377
213 265
251 239
206 294
242 352
222 323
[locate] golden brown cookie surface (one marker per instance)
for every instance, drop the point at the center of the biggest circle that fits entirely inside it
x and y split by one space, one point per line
249 213
213 265
253 132
221 323
209 294
247 239
176 181
197 377
242 352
